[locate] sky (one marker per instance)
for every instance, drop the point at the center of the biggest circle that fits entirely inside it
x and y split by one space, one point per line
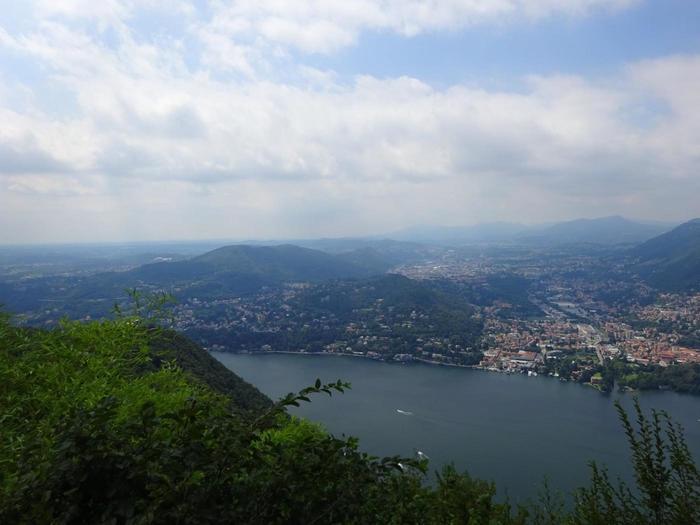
173 119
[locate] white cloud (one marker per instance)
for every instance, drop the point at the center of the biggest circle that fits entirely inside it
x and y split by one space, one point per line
244 29
49 185
245 35
198 153
105 11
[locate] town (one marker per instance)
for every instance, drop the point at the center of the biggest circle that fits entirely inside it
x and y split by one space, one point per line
537 315
577 313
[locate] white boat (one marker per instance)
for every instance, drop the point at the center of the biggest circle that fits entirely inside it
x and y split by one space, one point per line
404 412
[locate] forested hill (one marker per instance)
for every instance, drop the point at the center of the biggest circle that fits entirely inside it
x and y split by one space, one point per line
285 262
386 315
401 294
228 271
672 261
243 268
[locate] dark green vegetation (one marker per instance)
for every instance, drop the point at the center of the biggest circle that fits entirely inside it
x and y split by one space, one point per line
167 346
401 313
231 270
387 315
278 263
672 261
683 378
667 480
583 368
116 422
680 378
507 293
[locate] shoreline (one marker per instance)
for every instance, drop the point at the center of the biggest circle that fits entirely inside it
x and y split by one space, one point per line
626 390
362 356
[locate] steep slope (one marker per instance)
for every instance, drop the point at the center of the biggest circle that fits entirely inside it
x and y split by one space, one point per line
168 345
672 261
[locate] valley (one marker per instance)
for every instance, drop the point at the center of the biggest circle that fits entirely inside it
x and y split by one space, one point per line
592 313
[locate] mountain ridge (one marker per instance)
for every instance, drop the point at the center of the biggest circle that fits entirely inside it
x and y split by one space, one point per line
671 261
608 230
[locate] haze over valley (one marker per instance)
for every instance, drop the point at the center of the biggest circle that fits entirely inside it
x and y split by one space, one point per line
359 261
594 301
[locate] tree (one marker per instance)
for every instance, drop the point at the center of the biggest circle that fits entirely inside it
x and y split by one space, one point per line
667 490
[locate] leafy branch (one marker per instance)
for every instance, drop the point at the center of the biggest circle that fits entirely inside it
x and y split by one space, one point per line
293 399
151 309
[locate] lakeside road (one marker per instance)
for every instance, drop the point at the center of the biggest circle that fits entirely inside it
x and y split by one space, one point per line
361 356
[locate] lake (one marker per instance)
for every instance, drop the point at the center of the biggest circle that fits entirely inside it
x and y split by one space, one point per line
511 429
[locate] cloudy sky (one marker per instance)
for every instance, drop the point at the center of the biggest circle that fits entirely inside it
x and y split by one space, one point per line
167 119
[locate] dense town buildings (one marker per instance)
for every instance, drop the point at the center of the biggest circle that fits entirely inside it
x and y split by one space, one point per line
569 319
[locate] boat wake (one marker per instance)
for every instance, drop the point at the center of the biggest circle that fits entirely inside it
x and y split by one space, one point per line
421 455
404 412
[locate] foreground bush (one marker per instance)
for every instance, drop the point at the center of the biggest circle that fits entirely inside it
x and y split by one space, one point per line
99 425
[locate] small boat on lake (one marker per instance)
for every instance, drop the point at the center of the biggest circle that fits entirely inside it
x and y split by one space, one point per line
404 412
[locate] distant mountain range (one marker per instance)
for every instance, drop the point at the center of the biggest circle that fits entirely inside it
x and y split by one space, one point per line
603 230
243 268
223 272
456 235
669 261
672 261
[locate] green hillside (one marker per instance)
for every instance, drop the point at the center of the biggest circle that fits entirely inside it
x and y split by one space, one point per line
386 315
116 422
169 346
672 261
281 263
371 260
228 271
240 269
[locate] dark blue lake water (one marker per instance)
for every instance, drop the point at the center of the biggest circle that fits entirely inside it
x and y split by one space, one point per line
511 429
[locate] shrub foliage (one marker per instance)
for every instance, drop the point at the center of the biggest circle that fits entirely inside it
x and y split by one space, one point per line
100 424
